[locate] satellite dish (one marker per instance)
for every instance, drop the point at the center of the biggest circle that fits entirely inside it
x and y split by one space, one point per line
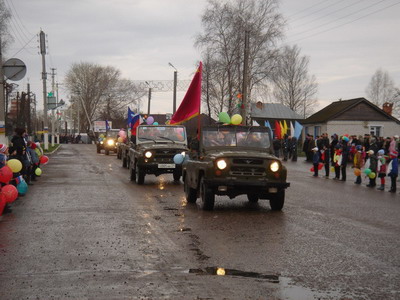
14 69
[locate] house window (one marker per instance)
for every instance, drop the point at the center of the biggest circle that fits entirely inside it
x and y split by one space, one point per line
317 131
375 131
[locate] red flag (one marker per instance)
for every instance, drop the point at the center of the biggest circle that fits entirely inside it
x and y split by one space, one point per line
278 130
190 106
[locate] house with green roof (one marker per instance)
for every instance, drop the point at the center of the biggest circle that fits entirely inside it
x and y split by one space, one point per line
355 117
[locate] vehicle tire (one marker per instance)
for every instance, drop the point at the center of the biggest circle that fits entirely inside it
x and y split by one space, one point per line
124 164
132 174
190 194
207 196
139 175
107 152
253 198
276 202
98 149
177 175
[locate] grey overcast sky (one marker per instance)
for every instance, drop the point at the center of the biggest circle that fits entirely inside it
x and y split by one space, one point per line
346 40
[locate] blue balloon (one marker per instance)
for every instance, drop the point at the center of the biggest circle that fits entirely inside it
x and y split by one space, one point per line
178 159
155 123
22 187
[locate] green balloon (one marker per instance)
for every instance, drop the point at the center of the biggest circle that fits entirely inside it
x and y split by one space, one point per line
223 117
367 171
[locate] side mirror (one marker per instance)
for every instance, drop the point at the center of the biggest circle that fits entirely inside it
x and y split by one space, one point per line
194 145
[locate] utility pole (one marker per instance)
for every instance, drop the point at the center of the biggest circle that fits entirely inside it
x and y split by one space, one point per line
53 119
44 78
3 138
175 86
28 88
245 76
148 104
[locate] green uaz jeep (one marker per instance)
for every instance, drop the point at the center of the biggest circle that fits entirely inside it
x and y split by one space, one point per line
232 161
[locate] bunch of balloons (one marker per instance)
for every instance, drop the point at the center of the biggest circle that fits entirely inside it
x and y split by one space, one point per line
369 173
236 119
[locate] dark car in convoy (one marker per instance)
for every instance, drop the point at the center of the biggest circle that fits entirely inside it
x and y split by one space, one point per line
232 161
154 149
108 142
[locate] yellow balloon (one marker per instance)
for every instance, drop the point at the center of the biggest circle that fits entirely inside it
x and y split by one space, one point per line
15 165
101 136
38 172
120 140
236 119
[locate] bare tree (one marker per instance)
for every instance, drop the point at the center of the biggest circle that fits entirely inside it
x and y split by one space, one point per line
100 91
225 24
292 85
381 89
5 17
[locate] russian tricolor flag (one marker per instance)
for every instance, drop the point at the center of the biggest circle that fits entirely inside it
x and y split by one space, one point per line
134 120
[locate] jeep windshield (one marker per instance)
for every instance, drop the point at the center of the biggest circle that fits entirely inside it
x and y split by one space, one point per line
158 134
236 136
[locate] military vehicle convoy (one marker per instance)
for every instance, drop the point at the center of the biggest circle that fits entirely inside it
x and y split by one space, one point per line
108 142
153 151
232 161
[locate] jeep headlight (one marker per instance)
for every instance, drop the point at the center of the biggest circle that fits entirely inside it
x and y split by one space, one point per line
101 143
183 153
110 142
274 166
148 154
221 164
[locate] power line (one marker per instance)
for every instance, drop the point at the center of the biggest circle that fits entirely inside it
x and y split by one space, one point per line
24 47
319 10
307 8
20 24
351 21
335 20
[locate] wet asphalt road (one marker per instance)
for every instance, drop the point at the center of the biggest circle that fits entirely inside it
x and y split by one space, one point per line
84 231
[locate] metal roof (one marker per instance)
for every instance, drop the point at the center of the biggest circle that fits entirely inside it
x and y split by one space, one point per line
273 111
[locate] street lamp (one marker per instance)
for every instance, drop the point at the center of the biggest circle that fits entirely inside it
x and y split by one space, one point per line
148 104
175 83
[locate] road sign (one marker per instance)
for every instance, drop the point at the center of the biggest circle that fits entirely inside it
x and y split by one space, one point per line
14 69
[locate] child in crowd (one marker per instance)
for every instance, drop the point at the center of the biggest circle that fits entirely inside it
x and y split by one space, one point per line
337 161
358 162
381 169
372 164
316 158
325 157
35 159
393 170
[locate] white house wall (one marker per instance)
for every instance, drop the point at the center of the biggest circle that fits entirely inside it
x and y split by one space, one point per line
389 128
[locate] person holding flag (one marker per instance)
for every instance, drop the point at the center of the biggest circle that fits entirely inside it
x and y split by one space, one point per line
134 120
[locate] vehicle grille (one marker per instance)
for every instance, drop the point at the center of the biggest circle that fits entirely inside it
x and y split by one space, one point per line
165 155
247 161
247 171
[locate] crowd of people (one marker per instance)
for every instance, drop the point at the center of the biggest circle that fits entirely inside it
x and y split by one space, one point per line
28 153
369 155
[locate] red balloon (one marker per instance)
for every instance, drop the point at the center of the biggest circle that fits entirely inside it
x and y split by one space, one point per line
2 203
10 193
320 166
44 159
312 169
6 174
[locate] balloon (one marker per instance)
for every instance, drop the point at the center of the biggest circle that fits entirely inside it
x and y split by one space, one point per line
38 172
367 171
178 158
357 172
312 169
6 174
155 123
120 140
44 159
22 187
101 136
372 175
2 203
10 192
122 133
223 117
320 166
332 169
150 120
15 165
236 119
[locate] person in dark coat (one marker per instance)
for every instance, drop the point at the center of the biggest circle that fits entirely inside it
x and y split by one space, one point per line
277 146
293 147
373 166
325 158
305 147
285 147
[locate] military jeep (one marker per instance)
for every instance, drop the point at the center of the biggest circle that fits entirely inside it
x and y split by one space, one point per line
108 143
154 150
232 161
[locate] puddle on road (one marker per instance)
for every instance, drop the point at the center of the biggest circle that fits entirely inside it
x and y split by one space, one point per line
287 290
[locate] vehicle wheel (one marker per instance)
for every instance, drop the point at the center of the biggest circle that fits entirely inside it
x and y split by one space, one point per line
253 198
277 201
98 149
124 164
107 152
190 194
207 196
132 173
139 175
177 175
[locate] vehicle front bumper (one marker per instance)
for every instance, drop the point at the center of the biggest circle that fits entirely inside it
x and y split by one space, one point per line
153 168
